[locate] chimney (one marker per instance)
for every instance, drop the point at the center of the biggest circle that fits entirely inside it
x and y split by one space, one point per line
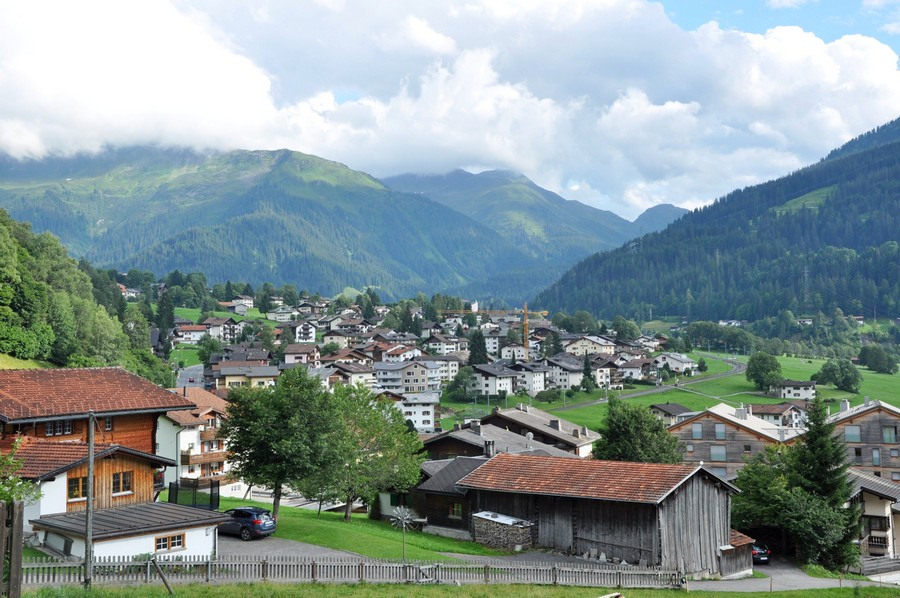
866 401
554 423
476 427
184 391
457 427
749 409
576 433
584 431
845 405
740 413
488 448
520 406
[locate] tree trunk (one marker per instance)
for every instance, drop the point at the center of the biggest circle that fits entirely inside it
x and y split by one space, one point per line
348 508
276 501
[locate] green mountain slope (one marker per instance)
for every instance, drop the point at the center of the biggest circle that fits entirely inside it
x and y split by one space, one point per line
537 221
824 237
258 216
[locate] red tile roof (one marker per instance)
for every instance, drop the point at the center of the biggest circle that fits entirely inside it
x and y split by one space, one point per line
205 402
579 478
44 458
736 539
37 394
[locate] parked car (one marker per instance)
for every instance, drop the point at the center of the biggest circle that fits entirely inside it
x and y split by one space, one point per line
248 523
761 554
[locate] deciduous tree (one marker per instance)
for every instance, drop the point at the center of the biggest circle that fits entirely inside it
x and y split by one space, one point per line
281 435
763 370
632 433
377 452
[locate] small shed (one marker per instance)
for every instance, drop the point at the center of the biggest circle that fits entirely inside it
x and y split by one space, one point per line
672 516
161 529
737 556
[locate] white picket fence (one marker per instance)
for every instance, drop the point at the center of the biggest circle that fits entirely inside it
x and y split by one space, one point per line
233 569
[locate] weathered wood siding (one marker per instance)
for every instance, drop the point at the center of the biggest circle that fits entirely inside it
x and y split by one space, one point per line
694 521
141 482
449 447
736 561
134 431
438 507
626 531
620 530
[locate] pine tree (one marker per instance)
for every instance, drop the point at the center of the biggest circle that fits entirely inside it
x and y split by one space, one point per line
477 348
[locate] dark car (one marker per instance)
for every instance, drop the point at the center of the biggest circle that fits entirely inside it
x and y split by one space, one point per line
761 554
248 523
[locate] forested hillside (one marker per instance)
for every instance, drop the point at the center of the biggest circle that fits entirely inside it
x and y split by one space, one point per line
537 221
49 308
825 237
287 217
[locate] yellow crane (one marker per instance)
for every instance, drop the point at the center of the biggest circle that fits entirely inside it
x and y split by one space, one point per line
501 312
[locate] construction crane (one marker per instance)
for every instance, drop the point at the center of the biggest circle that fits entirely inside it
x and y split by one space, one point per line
501 312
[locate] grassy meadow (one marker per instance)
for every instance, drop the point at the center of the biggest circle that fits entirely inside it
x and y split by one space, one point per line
368 537
736 389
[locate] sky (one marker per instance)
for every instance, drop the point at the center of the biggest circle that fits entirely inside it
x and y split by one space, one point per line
619 104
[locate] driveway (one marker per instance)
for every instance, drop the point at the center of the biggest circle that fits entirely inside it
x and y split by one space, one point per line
272 546
782 575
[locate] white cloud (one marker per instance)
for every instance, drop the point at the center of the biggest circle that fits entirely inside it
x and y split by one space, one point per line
605 101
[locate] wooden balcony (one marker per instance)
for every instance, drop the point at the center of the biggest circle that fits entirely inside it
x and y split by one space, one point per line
195 458
209 434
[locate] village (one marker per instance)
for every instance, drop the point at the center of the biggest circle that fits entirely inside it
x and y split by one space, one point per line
518 478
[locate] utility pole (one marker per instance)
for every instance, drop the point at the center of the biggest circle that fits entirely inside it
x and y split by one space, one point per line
89 509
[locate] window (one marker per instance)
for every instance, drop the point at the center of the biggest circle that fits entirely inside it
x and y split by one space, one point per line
895 453
889 434
696 431
857 456
689 448
851 434
426 412
747 448
121 482
77 488
456 510
895 475
876 457
107 424
58 428
720 431
426 422
719 471
717 453
175 542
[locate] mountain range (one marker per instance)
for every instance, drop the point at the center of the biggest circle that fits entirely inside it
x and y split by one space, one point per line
825 237
283 216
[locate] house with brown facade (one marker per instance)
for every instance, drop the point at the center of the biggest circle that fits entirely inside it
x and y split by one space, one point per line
722 437
55 404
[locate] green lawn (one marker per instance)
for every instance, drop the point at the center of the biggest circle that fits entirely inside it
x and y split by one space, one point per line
736 389
186 353
377 539
8 362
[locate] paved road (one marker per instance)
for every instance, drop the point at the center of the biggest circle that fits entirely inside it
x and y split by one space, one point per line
192 371
782 575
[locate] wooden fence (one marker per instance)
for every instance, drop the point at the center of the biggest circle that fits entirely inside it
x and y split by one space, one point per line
233 569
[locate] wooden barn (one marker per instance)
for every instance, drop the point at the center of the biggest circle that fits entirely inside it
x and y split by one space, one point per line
676 517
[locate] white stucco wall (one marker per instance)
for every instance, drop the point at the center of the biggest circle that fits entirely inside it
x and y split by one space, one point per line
197 542
52 500
166 438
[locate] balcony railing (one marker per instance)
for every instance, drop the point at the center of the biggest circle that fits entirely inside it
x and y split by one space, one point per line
209 434
195 458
